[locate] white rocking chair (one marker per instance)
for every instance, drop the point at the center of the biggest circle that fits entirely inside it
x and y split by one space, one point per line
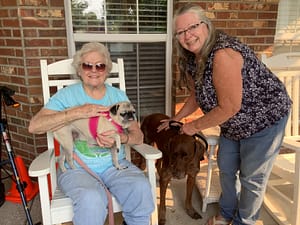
56 207
282 198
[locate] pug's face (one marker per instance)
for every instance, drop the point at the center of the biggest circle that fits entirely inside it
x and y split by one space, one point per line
123 113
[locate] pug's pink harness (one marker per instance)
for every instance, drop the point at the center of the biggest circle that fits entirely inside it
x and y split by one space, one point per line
93 124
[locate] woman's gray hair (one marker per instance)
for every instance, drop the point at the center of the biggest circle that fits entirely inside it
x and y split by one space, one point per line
184 54
92 47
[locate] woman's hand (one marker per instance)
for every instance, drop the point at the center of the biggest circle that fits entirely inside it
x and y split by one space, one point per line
105 139
91 110
189 128
164 125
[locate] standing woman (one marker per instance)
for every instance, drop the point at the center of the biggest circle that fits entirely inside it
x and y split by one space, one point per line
236 91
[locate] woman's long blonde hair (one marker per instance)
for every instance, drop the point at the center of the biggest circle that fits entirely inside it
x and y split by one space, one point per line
184 54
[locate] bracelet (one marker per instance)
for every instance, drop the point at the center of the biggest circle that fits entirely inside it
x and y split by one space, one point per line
127 139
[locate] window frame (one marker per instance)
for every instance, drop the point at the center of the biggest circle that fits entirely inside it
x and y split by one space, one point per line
137 38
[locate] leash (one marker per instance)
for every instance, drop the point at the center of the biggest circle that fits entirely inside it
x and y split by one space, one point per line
109 197
176 125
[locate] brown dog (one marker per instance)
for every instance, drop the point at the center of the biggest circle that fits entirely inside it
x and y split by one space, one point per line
181 157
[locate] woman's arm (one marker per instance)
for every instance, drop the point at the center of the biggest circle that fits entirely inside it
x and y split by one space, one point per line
227 80
134 135
50 120
188 108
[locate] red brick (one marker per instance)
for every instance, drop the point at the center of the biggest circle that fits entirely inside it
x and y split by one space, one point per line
26 22
13 13
14 42
266 15
8 3
30 32
247 15
3 13
7 52
34 2
59 23
38 42
5 33
52 33
16 33
246 32
57 3
270 32
10 23
31 52
27 12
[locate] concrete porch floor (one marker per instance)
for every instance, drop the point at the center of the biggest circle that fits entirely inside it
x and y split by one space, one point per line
13 213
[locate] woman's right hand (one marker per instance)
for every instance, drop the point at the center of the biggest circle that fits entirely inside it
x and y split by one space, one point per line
164 125
92 110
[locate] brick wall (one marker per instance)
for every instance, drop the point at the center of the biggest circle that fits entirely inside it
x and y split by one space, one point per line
30 30
35 29
251 21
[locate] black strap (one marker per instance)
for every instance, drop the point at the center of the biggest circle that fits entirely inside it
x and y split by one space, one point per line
173 124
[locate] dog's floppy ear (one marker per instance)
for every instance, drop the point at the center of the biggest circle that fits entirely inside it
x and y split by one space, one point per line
114 109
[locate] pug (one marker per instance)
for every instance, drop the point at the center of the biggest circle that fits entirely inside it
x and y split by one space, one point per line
119 118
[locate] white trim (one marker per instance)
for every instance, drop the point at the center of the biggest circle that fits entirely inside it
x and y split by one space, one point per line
84 37
69 28
169 44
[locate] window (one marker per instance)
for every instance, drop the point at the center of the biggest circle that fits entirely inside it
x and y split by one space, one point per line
135 30
288 25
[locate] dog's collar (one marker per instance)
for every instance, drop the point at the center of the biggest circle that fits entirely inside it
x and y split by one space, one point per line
93 123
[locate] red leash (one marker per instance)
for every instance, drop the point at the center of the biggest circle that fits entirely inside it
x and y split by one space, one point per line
110 206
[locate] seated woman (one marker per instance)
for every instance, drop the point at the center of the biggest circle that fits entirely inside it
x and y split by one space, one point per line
90 98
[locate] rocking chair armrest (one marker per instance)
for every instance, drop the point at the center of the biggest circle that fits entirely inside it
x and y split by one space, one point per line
147 151
40 166
292 142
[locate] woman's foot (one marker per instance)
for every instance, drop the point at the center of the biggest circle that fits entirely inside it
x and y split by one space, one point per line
218 220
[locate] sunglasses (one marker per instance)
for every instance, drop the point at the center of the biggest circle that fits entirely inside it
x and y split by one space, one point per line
100 67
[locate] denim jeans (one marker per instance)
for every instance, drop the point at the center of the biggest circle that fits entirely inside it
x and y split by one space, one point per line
130 187
245 167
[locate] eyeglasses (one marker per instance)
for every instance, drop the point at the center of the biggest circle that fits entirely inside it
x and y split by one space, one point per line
100 67
191 29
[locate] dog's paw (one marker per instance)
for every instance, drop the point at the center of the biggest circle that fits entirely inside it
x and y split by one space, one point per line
162 222
63 169
193 214
121 167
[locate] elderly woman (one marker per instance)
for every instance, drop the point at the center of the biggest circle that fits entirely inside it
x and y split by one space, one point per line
236 91
88 99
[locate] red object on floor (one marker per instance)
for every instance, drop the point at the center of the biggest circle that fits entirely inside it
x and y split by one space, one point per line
31 188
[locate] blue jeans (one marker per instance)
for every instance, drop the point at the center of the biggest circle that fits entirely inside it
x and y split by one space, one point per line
129 186
245 167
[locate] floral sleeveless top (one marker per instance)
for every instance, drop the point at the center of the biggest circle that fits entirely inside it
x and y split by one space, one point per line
264 101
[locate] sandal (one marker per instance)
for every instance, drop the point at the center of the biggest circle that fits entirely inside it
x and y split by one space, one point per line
220 221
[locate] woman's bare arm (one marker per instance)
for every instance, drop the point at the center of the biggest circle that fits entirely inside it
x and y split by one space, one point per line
227 80
50 120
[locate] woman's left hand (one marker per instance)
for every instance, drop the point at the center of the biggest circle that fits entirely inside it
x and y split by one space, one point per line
105 139
189 128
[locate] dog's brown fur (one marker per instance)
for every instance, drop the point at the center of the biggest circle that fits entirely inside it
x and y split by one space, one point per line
181 156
